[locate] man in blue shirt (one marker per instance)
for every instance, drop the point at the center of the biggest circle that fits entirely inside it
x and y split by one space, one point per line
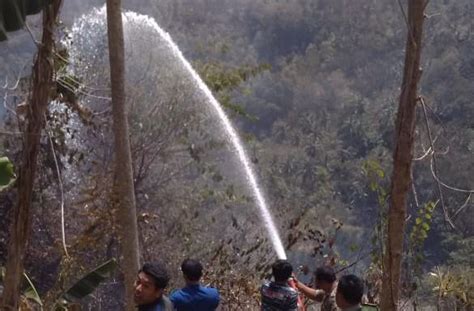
194 296
151 281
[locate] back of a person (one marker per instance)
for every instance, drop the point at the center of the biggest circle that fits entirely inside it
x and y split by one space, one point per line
350 290
195 298
277 297
329 301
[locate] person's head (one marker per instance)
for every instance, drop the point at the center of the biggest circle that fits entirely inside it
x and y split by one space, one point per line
281 270
192 270
350 289
151 281
324 278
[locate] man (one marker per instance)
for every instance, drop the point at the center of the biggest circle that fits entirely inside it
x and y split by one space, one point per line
349 293
194 296
325 288
151 281
278 295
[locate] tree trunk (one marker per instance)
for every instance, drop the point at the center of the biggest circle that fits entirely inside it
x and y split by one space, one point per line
38 104
402 157
124 190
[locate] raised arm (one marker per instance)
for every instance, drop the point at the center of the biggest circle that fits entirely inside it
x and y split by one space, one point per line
311 293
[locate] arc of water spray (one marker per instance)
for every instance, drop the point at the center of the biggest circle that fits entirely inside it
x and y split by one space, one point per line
230 131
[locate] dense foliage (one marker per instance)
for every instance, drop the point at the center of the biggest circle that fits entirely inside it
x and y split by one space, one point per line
313 87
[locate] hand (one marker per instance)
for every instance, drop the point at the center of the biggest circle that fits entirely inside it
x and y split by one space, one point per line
295 280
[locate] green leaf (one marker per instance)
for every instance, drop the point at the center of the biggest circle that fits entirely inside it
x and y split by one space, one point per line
423 234
418 221
7 172
430 206
425 226
90 281
31 292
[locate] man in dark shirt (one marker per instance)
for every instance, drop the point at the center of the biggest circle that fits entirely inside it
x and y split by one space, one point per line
278 295
151 281
194 296
349 293
324 290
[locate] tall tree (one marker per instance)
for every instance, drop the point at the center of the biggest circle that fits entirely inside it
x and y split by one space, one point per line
38 103
124 189
402 156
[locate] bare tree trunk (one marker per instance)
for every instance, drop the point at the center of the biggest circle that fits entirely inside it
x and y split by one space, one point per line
402 157
38 104
124 190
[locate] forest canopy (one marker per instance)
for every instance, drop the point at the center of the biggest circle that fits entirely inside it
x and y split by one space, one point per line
312 87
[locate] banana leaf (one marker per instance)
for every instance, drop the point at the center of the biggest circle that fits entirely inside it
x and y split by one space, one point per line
90 281
31 292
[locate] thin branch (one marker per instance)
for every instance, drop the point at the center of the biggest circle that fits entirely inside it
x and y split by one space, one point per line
413 189
354 262
425 5
463 206
71 88
434 166
12 88
422 157
107 110
18 79
5 97
432 15
430 152
404 15
4 132
58 172
36 42
435 176
434 115
79 83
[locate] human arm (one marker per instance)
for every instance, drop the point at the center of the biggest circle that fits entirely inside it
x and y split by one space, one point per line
311 293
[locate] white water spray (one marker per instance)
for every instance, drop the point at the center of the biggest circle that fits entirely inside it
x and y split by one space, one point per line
230 131
177 56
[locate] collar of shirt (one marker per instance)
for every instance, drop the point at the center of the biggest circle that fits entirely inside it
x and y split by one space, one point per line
152 306
353 308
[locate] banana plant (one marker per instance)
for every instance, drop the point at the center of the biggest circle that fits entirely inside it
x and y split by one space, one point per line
86 285
82 288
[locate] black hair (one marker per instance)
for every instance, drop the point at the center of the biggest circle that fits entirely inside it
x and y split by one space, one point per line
192 269
351 288
281 270
325 274
158 273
